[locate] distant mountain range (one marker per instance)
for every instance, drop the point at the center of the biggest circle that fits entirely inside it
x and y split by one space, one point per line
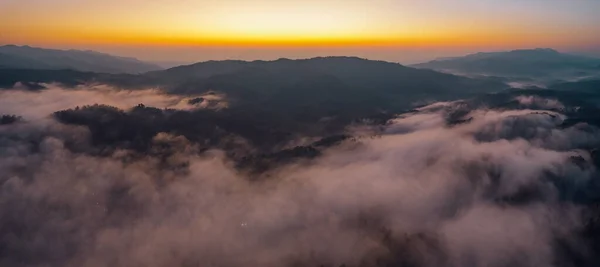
542 64
311 96
320 85
319 96
26 57
167 64
299 82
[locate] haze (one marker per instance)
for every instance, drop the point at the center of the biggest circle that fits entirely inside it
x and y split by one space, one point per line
402 31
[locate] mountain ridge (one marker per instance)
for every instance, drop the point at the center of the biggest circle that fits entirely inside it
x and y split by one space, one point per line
29 57
542 64
304 91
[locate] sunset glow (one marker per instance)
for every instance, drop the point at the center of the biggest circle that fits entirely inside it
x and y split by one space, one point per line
300 24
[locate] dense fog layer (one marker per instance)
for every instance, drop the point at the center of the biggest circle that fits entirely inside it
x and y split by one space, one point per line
494 188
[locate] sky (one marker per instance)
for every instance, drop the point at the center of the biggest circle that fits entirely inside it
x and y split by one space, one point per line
394 30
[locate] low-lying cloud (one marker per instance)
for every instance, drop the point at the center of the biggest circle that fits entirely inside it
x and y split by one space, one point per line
494 190
39 104
540 102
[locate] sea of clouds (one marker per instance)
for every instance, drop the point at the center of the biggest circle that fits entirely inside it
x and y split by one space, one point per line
494 190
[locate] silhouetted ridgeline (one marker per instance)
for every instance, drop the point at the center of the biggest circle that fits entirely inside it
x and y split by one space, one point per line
533 65
299 90
26 57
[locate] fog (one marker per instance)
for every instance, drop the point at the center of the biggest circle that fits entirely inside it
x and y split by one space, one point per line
496 190
55 97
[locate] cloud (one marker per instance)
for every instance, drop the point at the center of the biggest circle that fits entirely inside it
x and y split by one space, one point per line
526 84
40 104
543 103
423 193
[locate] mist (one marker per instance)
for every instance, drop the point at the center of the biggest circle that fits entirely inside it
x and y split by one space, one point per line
56 97
499 188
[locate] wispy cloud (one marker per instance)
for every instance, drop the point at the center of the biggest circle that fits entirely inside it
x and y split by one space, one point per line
40 104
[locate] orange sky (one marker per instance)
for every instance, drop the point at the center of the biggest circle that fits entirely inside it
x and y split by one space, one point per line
278 25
